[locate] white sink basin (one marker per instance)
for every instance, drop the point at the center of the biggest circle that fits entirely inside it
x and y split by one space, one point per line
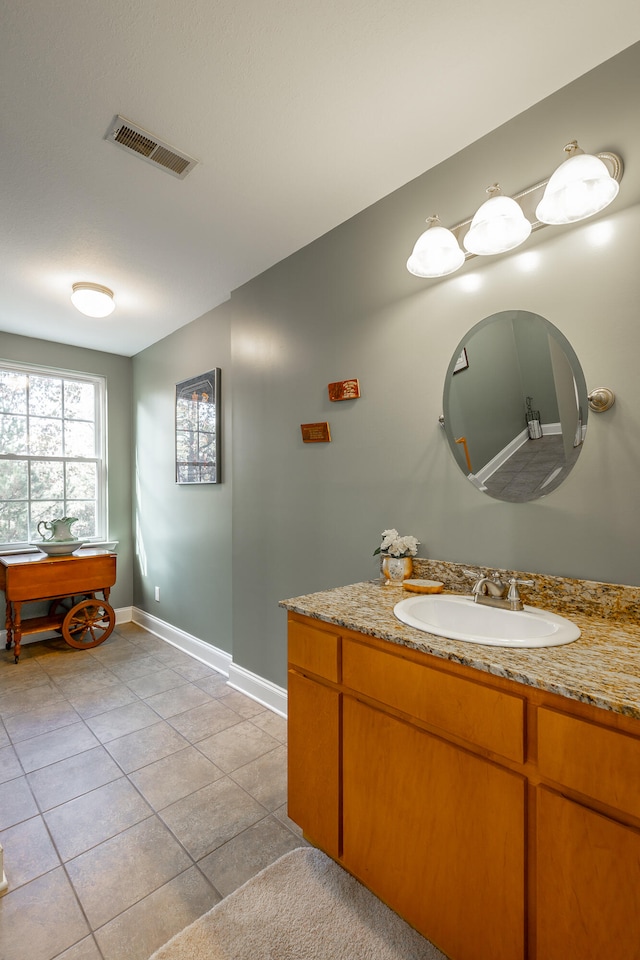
460 618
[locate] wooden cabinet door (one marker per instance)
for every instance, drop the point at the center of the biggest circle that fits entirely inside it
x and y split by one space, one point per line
436 833
588 883
314 761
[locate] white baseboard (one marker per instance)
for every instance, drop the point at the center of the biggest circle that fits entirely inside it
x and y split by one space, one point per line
264 691
251 684
205 652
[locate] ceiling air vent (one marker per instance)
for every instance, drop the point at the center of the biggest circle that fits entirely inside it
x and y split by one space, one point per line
134 139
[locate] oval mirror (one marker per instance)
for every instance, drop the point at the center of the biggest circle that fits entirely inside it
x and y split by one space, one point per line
515 406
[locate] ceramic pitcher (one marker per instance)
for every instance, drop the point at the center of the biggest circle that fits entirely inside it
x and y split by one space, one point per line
58 529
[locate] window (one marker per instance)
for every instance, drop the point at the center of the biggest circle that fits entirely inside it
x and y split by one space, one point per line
52 452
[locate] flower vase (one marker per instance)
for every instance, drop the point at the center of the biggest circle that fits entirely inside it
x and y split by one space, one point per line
396 570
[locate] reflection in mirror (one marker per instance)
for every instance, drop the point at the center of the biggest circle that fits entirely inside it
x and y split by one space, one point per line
515 406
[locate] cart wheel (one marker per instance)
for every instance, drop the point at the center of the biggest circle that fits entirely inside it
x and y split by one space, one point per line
88 623
59 607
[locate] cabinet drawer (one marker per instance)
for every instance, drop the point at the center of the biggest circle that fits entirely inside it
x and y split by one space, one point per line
595 761
476 713
315 650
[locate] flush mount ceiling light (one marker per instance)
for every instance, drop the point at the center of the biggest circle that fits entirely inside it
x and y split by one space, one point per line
498 225
436 252
581 186
92 299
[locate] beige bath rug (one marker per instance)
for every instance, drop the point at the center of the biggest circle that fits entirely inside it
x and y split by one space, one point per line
303 907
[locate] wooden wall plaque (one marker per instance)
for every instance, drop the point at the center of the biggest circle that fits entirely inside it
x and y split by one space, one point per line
344 390
316 432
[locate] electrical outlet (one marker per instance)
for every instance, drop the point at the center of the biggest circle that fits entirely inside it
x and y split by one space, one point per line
157 594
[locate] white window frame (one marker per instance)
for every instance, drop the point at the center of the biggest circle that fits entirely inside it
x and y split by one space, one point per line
100 385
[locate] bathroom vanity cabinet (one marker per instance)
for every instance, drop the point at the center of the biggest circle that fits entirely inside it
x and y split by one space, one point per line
498 819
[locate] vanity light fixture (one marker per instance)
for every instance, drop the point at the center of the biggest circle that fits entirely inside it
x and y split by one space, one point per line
498 225
436 252
92 299
583 185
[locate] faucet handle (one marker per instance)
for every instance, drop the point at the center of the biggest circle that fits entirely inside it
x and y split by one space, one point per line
514 595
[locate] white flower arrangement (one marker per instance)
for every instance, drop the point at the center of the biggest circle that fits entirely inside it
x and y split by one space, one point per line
393 545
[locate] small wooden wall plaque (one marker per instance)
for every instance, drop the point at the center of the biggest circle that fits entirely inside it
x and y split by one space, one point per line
316 432
344 390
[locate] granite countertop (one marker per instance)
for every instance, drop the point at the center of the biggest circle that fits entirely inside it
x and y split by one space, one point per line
601 668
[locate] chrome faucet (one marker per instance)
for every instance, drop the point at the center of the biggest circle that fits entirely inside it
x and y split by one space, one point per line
494 592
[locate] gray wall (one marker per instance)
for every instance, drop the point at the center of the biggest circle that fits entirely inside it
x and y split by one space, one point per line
117 371
307 517
486 403
182 532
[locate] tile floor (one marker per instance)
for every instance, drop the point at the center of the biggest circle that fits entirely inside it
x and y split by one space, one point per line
137 790
534 465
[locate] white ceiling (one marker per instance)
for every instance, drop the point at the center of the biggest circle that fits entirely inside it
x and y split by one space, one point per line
302 114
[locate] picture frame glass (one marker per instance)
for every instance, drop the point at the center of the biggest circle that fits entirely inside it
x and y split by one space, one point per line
197 428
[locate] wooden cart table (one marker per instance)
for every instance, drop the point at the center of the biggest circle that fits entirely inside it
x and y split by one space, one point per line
70 583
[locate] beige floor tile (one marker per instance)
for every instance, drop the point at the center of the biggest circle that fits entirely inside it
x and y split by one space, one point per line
282 815
216 685
138 886
141 666
16 803
242 704
87 949
115 647
122 720
131 631
272 724
20 676
59 925
148 644
23 700
174 658
237 745
28 852
247 854
50 747
175 777
67 662
204 721
83 683
43 719
156 682
107 697
265 778
9 764
146 926
144 746
206 819
112 877
85 822
178 700
195 670
70 778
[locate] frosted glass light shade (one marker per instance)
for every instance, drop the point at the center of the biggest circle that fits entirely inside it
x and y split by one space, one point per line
92 299
498 225
436 252
580 187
